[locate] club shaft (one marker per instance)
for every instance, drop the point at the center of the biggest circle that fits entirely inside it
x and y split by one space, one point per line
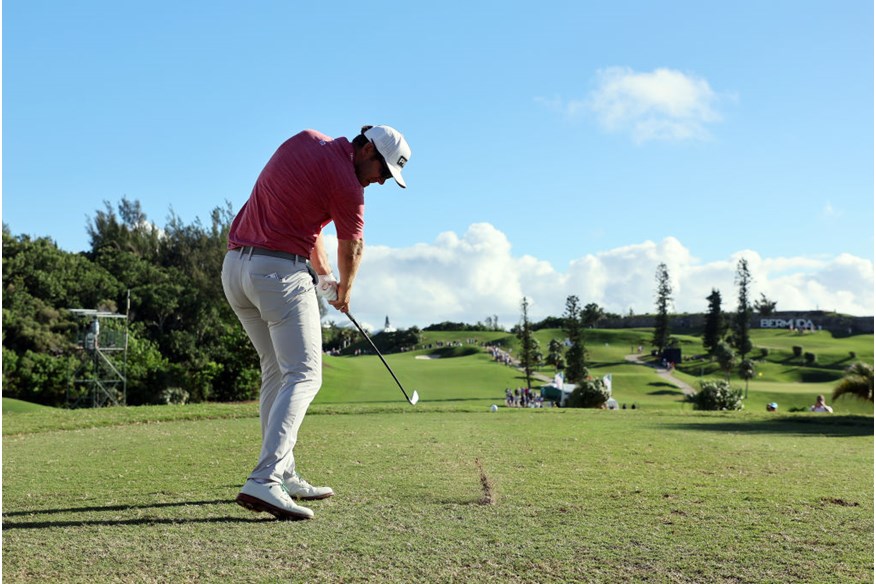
376 350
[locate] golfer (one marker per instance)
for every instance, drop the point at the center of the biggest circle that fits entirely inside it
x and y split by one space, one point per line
275 266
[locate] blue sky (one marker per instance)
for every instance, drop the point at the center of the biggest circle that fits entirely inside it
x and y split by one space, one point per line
565 133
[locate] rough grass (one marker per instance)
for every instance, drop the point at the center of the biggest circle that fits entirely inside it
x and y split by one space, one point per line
591 496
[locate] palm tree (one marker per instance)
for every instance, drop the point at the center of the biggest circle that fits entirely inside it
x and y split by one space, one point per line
726 358
858 381
746 371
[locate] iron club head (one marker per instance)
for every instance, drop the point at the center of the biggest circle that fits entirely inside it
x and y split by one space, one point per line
415 397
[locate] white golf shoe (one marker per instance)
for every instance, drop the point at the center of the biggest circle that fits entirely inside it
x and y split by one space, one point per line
298 488
271 498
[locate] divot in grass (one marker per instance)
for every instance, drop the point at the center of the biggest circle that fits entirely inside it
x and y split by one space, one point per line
488 487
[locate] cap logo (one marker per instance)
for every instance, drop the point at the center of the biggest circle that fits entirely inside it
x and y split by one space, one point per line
401 161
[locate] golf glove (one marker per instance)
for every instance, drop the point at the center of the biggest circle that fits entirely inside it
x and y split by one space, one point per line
327 287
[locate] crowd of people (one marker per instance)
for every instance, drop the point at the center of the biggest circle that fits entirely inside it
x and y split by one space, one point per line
523 397
500 356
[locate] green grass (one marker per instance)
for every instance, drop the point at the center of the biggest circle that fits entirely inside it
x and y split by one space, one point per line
473 378
17 406
596 496
656 494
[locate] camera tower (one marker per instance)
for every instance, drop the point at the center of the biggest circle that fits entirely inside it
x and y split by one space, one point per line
102 345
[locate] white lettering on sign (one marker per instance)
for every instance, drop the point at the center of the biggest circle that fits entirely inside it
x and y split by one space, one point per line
791 323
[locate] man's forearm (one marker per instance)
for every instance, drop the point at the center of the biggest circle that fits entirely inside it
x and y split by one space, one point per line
349 257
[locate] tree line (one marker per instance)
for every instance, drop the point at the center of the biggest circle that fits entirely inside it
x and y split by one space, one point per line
726 339
184 342
181 331
728 343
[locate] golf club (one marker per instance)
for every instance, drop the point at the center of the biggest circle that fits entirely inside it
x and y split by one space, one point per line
414 397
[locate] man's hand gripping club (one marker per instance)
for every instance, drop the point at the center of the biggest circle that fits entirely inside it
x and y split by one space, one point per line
349 256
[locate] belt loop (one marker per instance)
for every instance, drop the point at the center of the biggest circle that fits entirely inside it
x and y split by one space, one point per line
251 249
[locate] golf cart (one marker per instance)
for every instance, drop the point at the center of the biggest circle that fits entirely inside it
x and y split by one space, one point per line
559 396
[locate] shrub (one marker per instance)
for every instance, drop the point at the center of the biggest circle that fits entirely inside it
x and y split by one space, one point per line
809 358
591 393
174 396
716 394
764 352
798 350
853 355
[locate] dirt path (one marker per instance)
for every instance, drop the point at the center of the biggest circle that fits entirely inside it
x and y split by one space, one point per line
515 363
663 373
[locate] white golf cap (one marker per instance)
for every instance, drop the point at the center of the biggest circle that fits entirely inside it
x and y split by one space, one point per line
393 147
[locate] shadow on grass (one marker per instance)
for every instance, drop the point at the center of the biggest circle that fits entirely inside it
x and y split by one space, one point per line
115 508
141 521
804 425
672 389
607 364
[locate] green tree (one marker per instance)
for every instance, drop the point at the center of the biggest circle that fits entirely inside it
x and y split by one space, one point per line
173 275
184 334
38 377
858 381
716 395
129 231
147 369
764 306
240 376
591 315
715 326
39 282
742 322
726 358
398 341
576 354
528 346
60 279
747 370
661 338
555 354
590 393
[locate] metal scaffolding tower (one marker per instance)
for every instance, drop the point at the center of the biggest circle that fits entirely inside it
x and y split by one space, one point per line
102 344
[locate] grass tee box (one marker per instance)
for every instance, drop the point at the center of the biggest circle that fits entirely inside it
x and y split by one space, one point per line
577 496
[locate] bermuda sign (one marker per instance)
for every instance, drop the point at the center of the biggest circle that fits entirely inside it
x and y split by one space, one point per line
791 323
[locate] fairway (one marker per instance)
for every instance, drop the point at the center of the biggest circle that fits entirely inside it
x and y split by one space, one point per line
580 495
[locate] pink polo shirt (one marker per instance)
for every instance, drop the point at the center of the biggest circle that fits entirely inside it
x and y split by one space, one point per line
309 181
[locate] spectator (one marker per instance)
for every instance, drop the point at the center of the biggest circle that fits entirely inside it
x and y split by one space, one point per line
820 406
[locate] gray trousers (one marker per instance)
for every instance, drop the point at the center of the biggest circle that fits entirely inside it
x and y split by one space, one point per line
275 300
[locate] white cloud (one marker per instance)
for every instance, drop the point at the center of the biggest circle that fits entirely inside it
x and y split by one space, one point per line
660 105
474 275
